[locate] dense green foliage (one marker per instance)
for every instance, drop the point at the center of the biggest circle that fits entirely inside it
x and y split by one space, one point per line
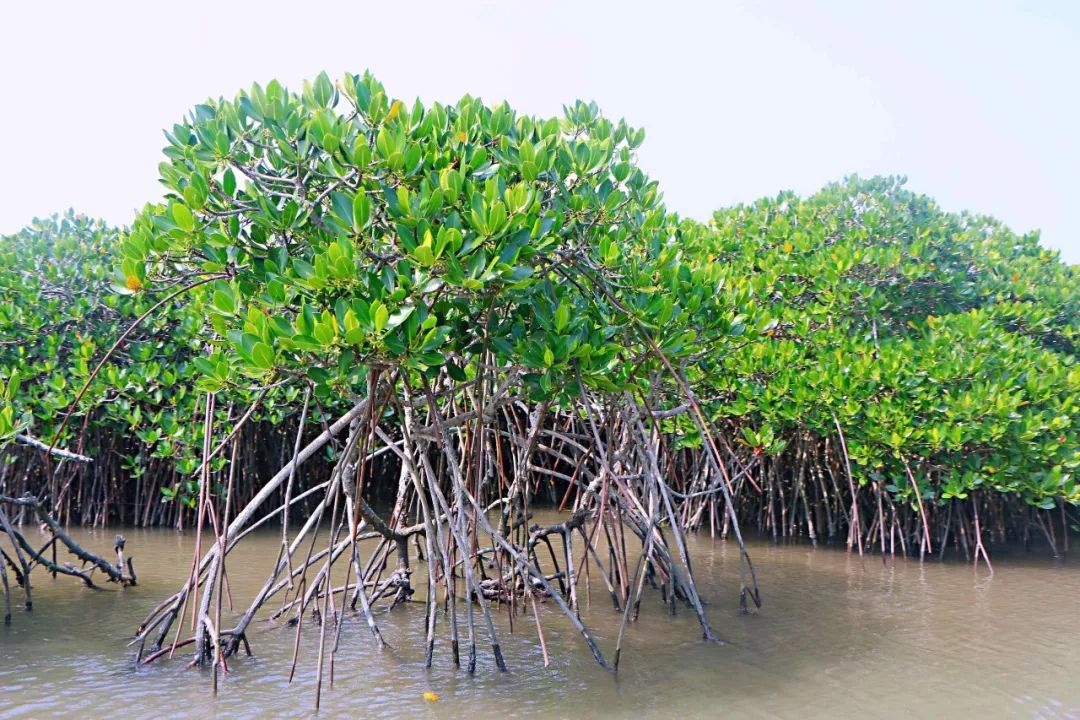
941 340
59 314
372 235
62 308
340 234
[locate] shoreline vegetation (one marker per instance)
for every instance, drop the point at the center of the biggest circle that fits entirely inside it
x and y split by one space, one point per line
459 313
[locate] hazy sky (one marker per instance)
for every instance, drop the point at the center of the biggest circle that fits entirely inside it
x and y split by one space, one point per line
977 103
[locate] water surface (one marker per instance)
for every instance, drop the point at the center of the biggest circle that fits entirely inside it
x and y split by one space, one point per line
838 636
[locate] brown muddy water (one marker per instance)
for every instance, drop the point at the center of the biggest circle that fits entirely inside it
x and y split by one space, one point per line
838 636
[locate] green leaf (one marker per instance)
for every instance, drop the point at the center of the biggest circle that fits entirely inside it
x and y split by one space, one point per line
361 211
424 255
324 333
455 372
262 355
224 302
399 317
380 317
562 317
183 217
228 183
13 385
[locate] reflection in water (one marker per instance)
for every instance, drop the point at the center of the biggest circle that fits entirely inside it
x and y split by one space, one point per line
839 636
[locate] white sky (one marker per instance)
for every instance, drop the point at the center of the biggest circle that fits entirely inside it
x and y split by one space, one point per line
977 102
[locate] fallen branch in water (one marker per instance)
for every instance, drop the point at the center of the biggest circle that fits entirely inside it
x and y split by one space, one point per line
116 573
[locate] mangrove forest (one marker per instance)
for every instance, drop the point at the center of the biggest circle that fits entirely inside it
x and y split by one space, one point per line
459 362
